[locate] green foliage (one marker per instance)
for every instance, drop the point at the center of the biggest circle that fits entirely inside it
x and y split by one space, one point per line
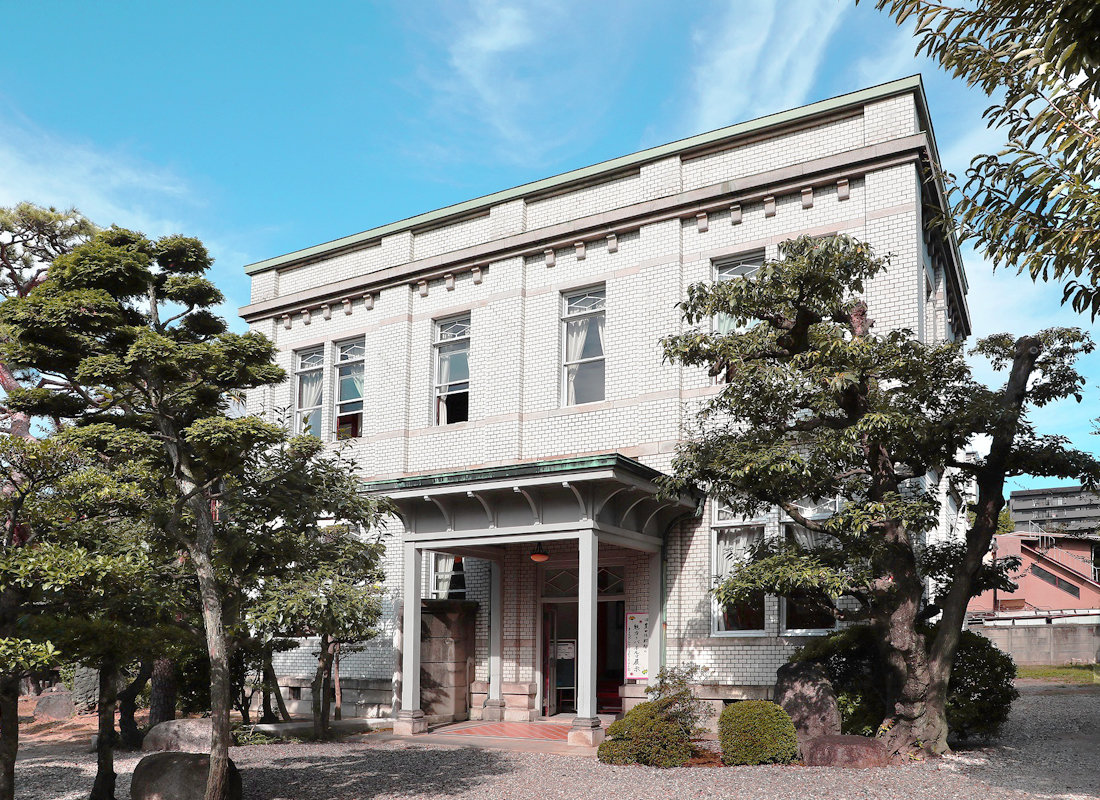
248 736
646 736
673 699
979 695
981 692
19 656
756 732
1033 203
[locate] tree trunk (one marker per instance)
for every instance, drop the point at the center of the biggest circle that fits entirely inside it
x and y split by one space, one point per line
9 735
104 787
127 706
218 648
337 712
272 680
319 688
162 696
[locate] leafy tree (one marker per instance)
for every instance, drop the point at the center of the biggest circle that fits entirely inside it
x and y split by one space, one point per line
122 330
1035 203
31 237
816 406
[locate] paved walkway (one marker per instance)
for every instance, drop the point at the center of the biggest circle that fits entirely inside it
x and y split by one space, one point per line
545 731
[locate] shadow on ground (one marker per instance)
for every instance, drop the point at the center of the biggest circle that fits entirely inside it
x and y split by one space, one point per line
369 772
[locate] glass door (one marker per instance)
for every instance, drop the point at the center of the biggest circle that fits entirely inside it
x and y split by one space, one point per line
549 659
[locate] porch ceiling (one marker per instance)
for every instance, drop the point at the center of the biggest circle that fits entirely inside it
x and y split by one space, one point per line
539 501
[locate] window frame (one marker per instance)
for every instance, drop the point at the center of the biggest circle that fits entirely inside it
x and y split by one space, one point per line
785 523
338 363
565 318
437 350
433 573
717 526
755 257
299 372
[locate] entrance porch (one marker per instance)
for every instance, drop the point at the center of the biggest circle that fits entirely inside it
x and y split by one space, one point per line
574 553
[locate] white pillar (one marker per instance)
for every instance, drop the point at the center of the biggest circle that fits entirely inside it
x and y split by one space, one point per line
410 719
656 632
586 726
494 703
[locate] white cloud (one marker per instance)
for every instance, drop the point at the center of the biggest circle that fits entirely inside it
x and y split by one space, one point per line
759 58
109 188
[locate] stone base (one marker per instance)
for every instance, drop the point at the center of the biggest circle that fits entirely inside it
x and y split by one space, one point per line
410 723
586 732
493 711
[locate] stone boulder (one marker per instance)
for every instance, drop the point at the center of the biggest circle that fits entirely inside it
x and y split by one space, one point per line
55 705
803 690
184 735
860 752
178 776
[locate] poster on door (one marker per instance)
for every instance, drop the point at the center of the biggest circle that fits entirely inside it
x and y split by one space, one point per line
637 645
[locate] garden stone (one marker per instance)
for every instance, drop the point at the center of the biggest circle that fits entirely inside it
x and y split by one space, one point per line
178 776
860 752
55 705
85 689
803 690
185 735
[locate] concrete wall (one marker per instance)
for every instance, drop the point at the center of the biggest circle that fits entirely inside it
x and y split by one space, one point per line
1046 644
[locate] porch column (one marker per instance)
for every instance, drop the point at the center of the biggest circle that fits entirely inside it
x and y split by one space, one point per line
586 726
494 703
656 604
410 719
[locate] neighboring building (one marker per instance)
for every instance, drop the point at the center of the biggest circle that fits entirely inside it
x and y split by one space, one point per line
1064 508
1058 572
494 367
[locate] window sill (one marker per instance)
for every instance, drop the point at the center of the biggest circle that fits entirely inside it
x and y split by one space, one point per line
808 632
760 634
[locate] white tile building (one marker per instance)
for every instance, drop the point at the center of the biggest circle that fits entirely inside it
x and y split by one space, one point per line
494 367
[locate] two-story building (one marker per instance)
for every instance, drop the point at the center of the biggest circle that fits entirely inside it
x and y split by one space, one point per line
494 367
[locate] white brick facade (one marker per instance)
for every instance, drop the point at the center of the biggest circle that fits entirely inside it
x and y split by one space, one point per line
507 264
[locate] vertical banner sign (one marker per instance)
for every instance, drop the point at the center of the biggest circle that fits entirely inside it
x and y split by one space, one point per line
637 645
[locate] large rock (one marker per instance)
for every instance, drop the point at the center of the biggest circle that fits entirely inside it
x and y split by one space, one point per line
845 751
55 705
86 689
178 776
804 692
185 735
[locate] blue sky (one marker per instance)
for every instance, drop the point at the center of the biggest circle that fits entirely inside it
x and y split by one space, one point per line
263 128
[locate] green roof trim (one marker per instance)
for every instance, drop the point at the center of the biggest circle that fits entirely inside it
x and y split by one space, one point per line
525 470
900 86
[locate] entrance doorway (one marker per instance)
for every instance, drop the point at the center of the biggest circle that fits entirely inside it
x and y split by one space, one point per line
559 642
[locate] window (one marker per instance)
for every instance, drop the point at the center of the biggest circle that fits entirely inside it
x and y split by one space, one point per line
448 577
559 582
309 371
808 611
583 329
452 370
732 547
349 389
1054 580
742 265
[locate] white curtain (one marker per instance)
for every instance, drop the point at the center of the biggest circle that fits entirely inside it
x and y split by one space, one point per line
351 378
599 330
443 379
810 540
309 397
724 323
576 332
734 546
444 569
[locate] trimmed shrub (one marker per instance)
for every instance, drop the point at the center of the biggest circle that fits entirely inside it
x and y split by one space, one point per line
646 736
756 732
979 694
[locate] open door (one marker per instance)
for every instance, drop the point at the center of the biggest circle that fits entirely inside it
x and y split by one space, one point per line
549 660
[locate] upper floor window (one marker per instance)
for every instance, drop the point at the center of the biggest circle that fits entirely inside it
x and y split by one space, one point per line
583 331
733 543
452 370
349 389
308 376
742 265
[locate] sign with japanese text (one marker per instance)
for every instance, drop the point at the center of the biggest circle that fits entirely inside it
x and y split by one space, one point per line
637 645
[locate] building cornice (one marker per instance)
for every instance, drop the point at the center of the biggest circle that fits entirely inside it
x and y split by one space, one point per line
685 148
720 196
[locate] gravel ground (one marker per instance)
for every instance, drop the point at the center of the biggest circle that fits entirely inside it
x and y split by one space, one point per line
1049 749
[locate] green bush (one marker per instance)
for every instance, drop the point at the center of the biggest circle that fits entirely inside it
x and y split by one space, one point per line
674 700
756 732
979 694
646 736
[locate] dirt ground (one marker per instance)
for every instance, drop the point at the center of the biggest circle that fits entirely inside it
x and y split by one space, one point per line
1048 750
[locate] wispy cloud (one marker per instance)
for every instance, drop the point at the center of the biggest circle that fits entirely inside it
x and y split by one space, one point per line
759 58
108 187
